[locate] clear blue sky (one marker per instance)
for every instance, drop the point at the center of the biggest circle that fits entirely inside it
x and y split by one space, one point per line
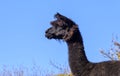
23 23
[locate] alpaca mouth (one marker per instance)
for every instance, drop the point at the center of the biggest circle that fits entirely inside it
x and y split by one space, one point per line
48 36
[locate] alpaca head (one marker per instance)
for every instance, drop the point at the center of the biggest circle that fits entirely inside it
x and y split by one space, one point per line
62 28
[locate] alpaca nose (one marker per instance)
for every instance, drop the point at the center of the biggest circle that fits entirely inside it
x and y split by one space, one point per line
46 31
49 33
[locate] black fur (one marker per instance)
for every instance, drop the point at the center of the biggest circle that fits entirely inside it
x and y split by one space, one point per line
65 29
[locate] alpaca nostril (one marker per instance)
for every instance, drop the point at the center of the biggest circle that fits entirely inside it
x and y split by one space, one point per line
47 35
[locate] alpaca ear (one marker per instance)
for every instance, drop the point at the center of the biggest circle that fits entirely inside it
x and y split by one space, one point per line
58 15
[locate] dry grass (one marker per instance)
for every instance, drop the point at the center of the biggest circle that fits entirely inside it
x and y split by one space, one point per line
114 51
24 71
112 54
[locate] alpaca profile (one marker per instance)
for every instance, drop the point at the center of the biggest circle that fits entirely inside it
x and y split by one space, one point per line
65 29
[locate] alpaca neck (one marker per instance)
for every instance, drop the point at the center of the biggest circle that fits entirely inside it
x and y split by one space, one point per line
77 57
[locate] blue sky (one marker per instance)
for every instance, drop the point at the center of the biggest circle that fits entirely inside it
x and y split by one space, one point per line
23 24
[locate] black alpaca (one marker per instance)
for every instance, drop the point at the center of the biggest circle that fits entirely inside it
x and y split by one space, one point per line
65 29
